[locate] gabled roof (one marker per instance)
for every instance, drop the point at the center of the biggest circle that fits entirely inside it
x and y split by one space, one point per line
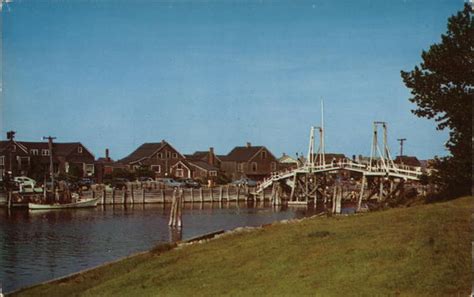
243 153
146 150
203 165
143 151
59 148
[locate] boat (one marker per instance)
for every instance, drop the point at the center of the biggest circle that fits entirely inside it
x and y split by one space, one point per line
83 203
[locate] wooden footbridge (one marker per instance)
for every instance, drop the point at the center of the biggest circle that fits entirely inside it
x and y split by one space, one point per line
317 180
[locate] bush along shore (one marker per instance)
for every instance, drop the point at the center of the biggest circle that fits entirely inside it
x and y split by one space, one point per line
423 250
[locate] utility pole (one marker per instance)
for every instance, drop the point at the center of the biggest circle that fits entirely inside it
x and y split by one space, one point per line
401 140
51 166
10 137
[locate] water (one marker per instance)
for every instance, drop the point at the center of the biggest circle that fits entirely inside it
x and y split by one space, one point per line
36 246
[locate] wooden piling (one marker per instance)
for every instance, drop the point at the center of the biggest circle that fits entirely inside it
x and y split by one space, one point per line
132 195
113 196
228 195
238 193
201 196
362 188
211 194
143 195
192 195
124 196
104 191
220 194
162 196
176 208
380 189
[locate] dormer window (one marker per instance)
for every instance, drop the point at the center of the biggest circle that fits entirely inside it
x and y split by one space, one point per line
160 155
263 154
34 152
44 152
168 155
175 155
79 149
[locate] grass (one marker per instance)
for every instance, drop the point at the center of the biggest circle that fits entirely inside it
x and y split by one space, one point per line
419 251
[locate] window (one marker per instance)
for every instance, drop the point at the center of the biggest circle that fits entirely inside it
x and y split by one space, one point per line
34 152
254 166
89 169
2 173
273 166
45 152
2 160
79 149
156 168
168 155
240 167
263 154
175 155
160 155
213 173
179 172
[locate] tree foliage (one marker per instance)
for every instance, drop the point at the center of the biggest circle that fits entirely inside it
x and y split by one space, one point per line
442 87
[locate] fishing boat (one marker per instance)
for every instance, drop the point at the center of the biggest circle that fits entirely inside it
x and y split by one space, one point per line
83 203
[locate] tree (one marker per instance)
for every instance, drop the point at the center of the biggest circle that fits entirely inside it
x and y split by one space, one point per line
442 86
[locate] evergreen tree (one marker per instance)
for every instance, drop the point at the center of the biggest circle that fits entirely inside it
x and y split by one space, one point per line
442 86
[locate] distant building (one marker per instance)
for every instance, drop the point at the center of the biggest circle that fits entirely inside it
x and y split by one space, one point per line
29 156
159 157
408 160
286 161
255 162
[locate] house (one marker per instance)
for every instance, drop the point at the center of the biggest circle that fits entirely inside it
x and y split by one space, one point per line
159 157
255 162
205 165
408 160
105 166
22 158
286 161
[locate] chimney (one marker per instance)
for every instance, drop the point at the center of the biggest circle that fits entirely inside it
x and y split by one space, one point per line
210 158
107 154
249 144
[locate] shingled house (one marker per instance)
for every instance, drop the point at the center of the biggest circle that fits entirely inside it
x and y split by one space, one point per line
26 155
159 157
204 165
255 162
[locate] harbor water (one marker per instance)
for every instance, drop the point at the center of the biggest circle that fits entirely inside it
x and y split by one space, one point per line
37 246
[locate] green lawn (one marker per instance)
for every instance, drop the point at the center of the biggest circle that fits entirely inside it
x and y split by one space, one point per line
418 251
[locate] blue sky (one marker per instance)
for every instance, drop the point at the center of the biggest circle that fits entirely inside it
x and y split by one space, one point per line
115 74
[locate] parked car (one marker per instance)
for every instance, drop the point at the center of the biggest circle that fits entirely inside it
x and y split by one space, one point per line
170 182
85 183
24 180
245 182
191 183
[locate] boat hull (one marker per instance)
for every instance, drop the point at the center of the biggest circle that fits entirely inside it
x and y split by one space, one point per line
79 204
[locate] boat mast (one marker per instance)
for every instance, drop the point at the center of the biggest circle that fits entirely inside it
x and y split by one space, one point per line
51 166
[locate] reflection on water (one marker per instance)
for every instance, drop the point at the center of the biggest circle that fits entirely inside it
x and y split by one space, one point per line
40 245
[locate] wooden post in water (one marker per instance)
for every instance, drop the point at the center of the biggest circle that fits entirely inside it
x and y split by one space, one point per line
104 195
113 196
176 209
132 194
362 188
211 194
263 195
143 195
227 190
124 196
238 194
192 195
162 196
220 194
201 196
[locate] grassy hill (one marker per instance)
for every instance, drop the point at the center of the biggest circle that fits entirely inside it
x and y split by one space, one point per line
418 251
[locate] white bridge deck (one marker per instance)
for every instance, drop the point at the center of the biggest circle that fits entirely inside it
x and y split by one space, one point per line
395 171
